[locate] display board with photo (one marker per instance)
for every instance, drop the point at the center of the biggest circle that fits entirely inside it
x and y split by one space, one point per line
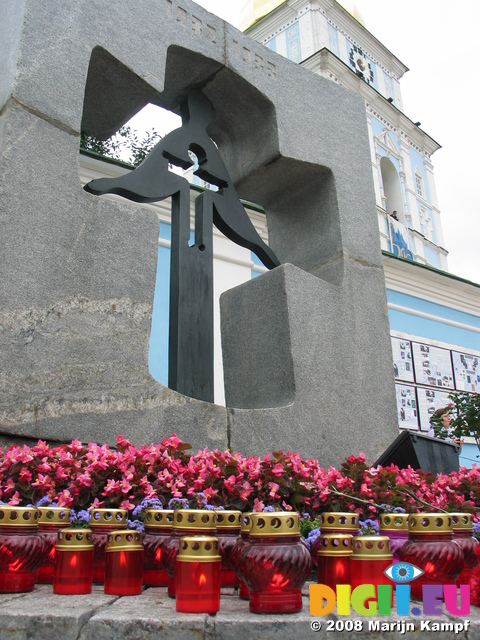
433 366
402 359
429 400
406 406
466 369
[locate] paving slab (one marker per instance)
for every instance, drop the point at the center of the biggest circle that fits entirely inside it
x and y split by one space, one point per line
42 615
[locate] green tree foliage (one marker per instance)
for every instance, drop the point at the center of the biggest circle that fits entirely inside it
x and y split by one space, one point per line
465 412
125 145
466 415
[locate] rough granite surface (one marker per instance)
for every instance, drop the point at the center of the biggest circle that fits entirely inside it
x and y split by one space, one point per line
77 273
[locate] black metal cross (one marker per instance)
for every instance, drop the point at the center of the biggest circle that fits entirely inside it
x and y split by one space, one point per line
190 356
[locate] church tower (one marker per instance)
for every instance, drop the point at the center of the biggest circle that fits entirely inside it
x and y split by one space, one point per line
330 39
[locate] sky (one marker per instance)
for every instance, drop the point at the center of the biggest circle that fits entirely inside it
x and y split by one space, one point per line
435 39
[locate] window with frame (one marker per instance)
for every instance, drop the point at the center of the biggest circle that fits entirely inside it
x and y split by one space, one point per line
419 185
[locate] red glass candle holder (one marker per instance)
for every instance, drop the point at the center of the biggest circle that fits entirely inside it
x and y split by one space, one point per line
276 563
186 522
158 528
103 522
228 525
371 556
395 526
50 521
335 522
430 547
334 559
474 581
237 552
73 564
124 563
198 575
21 549
462 527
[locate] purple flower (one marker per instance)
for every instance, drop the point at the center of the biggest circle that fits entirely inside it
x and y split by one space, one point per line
136 524
312 535
368 527
80 518
178 503
43 502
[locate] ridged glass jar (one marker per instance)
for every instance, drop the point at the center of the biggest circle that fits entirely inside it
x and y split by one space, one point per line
103 522
228 525
237 552
395 526
50 521
276 563
21 549
430 547
73 562
124 563
462 527
158 527
198 569
186 522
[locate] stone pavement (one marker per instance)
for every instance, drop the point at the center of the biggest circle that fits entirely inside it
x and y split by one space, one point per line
41 615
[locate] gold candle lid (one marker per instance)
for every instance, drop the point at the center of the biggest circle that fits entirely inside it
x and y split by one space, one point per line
274 523
371 548
74 540
394 521
335 544
430 523
116 518
124 540
246 522
159 518
198 549
18 516
194 519
54 516
338 520
462 522
228 519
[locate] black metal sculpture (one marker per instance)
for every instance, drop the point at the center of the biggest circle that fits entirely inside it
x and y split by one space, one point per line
190 358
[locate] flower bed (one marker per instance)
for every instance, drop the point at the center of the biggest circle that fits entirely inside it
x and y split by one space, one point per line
78 476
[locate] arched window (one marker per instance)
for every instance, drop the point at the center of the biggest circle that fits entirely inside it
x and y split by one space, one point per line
391 188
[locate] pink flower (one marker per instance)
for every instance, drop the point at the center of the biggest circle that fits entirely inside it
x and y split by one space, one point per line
43 481
229 483
278 469
274 487
258 505
75 446
111 487
246 491
15 499
64 498
24 475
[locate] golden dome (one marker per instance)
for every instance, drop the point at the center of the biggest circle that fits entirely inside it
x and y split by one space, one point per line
254 10
352 8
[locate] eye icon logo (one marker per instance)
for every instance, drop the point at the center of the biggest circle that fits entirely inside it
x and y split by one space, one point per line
403 572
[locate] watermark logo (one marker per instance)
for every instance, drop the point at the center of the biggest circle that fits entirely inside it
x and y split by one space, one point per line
372 600
403 572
